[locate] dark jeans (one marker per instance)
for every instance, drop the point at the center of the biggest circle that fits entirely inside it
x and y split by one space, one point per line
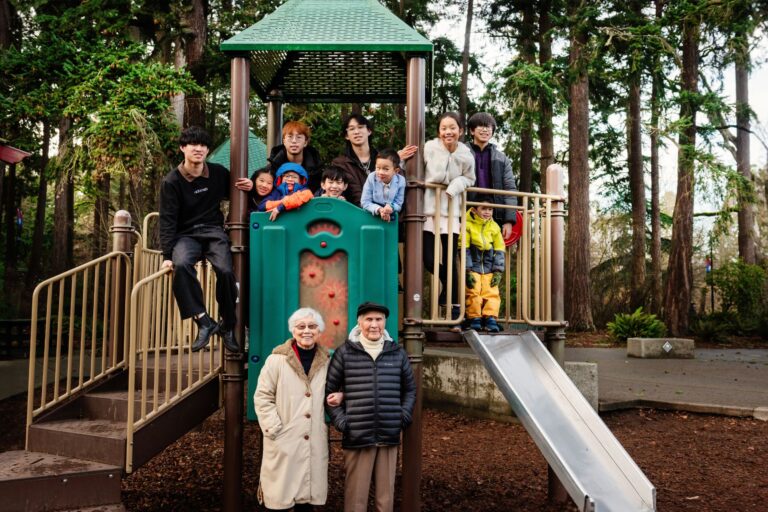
211 243
429 262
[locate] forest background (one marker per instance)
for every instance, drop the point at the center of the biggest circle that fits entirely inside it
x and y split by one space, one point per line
96 91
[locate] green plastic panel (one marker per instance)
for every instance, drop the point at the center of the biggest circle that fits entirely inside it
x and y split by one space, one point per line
257 153
300 255
331 51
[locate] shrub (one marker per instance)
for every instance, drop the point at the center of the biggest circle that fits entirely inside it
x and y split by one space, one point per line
636 325
741 287
712 328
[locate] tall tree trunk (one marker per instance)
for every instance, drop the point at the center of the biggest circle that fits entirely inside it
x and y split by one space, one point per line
546 137
197 22
101 217
35 268
526 134
677 297
656 91
636 177
178 101
62 228
746 215
577 292
465 64
10 224
10 25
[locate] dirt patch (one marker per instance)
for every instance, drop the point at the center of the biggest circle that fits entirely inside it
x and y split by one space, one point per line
697 463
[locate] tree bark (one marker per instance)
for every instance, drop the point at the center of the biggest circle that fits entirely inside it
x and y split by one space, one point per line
62 228
526 134
10 223
465 64
656 91
746 215
677 297
101 217
197 23
10 25
546 137
636 179
578 293
35 268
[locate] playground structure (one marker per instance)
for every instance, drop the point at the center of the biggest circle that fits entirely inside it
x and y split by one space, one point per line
125 383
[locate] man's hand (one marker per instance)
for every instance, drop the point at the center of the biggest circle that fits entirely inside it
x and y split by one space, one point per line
470 280
506 230
244 184
407 152
496 279
166 264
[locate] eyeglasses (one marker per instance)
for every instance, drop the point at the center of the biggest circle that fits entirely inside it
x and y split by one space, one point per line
295 138
304 327
356 128
484 129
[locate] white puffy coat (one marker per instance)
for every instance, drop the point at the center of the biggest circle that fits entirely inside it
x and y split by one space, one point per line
456 170
290 408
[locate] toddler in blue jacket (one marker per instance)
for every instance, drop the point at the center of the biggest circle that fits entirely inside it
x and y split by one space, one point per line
384 190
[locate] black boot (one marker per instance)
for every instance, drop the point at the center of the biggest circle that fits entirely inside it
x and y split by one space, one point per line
205 329
228 338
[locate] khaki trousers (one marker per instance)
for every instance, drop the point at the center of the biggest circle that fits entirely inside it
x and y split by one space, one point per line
359 465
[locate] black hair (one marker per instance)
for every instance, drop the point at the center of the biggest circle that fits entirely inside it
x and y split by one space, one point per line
359 118
453 115
391 155
195 135
264 170
333 173
481 119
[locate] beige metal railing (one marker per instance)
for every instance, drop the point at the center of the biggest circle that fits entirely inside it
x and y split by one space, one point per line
80 311
530 257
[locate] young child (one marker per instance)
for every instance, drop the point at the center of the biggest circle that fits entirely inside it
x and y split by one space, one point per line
263 190
485 263
333 183
292 185
384 190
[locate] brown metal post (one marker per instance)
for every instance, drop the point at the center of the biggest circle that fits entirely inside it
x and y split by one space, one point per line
122 236
274 120
237 224
413 217
555 336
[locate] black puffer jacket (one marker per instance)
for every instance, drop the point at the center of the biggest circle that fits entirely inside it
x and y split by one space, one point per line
378 395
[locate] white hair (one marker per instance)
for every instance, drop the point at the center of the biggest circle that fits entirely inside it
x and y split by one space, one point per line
303 313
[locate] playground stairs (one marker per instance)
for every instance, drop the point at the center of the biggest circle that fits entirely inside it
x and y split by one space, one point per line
76 452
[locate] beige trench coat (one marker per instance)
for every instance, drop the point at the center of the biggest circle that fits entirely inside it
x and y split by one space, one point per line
290 408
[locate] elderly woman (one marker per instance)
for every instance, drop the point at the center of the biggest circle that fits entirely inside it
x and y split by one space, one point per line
289 405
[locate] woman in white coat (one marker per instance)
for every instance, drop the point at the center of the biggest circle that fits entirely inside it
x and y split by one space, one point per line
448 161
289 405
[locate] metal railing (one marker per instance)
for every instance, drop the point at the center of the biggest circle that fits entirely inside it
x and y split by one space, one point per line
81 313
528 262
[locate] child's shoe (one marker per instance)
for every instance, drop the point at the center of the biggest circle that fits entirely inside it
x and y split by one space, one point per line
476 324
491 325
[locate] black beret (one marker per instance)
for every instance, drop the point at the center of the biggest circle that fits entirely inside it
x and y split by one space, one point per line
372 306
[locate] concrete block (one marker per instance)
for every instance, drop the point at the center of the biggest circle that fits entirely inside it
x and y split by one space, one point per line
660 348
760 413
584 375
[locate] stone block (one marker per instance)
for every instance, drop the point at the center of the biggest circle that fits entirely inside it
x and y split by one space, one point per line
660 348
584 375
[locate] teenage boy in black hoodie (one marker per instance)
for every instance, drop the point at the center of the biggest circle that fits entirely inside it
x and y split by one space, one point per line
192 228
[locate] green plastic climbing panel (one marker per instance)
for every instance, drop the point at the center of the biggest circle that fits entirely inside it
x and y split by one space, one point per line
328 255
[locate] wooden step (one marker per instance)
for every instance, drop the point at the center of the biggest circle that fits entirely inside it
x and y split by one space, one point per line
113 404
31 481
96 440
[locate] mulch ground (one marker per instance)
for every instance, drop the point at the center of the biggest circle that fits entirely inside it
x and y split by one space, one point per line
697 463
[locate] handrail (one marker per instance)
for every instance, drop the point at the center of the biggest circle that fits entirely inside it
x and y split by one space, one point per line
160 345
533 261
92 315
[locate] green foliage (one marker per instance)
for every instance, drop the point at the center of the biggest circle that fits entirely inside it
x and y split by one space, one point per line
741 287
712 328
636 325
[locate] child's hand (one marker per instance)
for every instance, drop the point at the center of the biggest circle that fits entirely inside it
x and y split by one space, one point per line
244 184
470 280
335 399
388 208
496 279
274 213
384 215
407 152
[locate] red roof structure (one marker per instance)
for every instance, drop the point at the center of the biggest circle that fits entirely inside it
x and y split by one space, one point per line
10 155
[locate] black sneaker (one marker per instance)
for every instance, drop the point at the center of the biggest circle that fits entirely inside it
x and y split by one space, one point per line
205 329
228 338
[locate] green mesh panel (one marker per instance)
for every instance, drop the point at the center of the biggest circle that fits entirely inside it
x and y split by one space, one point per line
332 51
257 154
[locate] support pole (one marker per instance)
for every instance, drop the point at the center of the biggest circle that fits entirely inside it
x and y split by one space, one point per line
122 236
237 224
413 218
555 336
274 120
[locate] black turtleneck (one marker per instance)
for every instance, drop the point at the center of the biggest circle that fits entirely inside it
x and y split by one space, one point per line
306 356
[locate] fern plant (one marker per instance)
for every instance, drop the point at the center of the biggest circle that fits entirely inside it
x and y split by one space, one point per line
636 325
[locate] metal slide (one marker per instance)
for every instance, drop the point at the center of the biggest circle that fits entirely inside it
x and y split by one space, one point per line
597 472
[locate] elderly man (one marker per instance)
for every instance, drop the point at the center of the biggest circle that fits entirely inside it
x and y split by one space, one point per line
379 393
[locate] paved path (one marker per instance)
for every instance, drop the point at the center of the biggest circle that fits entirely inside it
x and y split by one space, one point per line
733 382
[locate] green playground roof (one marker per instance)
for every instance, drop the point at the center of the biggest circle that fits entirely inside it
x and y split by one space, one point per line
257 154
334 51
